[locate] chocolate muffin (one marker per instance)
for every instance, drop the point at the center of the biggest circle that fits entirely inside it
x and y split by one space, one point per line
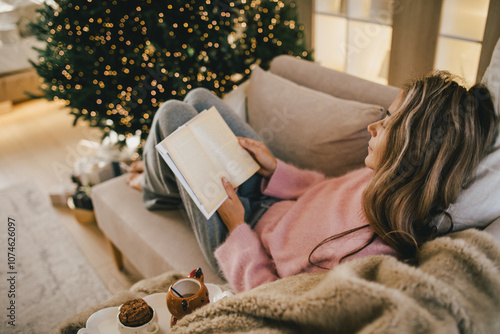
135 313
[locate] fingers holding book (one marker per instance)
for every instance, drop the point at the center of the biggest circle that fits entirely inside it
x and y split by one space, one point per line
231 211
261 154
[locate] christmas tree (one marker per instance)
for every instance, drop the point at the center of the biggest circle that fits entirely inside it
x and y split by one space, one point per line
115 61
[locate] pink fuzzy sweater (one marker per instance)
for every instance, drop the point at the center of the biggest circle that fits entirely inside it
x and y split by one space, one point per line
313 208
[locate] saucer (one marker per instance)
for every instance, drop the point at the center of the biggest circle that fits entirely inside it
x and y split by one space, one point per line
104 321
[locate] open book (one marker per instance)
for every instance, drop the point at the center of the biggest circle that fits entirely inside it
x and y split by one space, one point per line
200 153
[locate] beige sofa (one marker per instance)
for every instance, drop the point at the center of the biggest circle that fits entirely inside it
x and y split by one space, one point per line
301 110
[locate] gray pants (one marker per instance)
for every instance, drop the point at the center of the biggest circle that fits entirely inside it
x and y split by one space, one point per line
161 190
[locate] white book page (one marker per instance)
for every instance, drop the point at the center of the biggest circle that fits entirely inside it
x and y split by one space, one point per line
219 141
199 170
163 151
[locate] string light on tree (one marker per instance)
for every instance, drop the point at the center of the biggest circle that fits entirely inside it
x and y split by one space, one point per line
115 61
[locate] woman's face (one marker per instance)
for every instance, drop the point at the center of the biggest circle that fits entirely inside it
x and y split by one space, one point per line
378 142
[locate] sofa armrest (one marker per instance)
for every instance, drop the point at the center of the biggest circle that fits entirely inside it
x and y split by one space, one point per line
153 241
312 75
332 82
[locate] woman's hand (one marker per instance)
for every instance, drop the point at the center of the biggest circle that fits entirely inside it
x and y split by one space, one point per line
231 211
261 154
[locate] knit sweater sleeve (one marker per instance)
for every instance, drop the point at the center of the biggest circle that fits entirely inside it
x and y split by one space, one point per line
244 261
290 182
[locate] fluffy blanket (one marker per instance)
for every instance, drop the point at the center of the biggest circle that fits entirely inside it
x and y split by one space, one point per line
454 288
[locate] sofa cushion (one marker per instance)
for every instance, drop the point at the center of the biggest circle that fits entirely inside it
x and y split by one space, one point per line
339 84
307 128
479 205
153 241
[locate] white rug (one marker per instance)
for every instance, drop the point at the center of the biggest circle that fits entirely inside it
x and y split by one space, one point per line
51 279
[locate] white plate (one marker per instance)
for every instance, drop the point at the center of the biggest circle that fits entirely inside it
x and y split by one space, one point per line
104 321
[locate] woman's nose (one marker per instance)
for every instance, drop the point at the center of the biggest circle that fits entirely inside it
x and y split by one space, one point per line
372 129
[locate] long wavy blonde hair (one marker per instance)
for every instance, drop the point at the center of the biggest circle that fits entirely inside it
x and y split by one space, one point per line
435 142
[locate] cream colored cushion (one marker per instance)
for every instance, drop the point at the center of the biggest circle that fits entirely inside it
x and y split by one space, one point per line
308 128
236 99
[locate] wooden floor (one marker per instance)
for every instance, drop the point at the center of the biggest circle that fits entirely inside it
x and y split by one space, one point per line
39 143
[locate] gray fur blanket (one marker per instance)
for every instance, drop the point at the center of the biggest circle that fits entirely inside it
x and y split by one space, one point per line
454 288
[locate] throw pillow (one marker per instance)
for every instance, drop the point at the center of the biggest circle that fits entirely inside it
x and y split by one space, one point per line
479 205
307 128
236 100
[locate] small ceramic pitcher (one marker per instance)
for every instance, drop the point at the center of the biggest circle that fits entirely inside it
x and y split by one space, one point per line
186 295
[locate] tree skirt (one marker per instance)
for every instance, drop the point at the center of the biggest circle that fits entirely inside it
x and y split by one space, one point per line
44 278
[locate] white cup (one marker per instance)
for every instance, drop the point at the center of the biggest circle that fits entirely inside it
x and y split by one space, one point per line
150 327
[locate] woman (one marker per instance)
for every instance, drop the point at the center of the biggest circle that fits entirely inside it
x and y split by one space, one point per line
419 158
